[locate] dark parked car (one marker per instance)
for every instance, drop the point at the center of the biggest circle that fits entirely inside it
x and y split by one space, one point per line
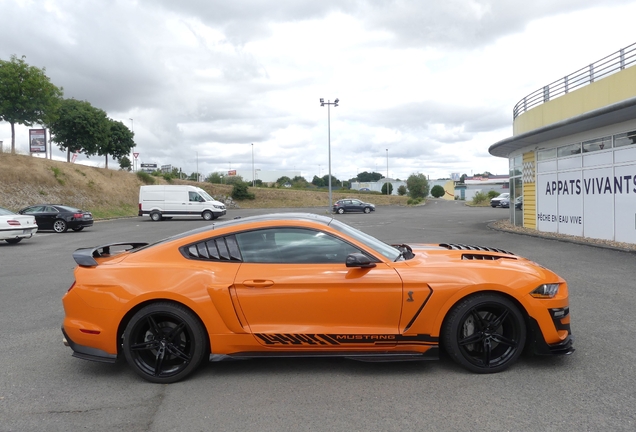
519 202
59 218
352 205
502 200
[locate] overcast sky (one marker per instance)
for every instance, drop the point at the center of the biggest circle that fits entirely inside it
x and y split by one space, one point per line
434 82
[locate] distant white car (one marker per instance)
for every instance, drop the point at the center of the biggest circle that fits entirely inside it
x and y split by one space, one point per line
15 227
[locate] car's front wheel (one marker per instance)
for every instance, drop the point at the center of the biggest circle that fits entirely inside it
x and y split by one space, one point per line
164 342
59 226
208 215
367 209
485 333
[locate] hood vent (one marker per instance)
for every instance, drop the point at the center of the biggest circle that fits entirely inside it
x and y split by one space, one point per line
453 246
479 257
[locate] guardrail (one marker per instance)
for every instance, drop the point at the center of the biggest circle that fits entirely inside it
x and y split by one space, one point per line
606 66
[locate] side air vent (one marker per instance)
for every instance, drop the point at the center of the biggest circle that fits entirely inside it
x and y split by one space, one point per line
453 246
218 249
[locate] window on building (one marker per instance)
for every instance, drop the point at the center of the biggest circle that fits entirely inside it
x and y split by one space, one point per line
625 139
547 154
569 150
597 144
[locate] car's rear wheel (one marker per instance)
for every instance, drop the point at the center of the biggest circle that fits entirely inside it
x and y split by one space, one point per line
208 215
340 211
164 342
155 216
78 228
59 226
485 333
367 210
13 240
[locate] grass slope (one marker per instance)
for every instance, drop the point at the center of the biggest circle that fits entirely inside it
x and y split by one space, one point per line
26 180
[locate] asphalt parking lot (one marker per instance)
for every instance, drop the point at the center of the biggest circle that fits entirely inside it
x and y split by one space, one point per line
43 388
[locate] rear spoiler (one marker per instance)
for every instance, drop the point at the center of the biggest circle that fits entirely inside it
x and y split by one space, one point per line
86 256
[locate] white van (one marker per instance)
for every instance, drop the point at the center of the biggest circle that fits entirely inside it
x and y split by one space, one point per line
163 202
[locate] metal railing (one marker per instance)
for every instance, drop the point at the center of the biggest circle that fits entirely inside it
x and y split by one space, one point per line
606 66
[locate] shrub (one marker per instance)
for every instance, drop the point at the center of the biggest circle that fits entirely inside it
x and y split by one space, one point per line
417 185
145 178
438 191
492 194
240 192
479 198
414 201
401 190
384 186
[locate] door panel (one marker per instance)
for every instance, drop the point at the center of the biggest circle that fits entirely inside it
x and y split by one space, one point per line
319 298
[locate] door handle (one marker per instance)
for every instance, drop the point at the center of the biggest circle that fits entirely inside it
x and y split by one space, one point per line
258 283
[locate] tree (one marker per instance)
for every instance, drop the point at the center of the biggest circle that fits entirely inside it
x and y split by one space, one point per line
369 176
124 163
384 186
215 177
438 191
79 127
120 141
462 179
335 183
282 180
417 185
317 181
401 190
299 182
27 95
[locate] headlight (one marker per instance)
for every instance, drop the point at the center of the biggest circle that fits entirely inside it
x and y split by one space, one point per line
545 291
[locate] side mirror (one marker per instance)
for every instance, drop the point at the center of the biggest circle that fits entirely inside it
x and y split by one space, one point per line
359 260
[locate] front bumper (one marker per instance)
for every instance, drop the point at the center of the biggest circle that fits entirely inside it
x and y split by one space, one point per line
540 347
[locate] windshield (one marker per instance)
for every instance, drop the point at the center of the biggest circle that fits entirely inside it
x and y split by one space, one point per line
205 195
387 250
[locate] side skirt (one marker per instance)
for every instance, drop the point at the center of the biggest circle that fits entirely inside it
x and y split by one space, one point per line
387 356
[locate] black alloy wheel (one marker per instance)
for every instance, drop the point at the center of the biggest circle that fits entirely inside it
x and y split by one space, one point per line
164 342
59 226
484 333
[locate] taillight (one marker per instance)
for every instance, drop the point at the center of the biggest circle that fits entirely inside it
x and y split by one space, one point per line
77 215
13 222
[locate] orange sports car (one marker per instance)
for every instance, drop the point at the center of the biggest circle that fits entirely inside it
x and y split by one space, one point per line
309 286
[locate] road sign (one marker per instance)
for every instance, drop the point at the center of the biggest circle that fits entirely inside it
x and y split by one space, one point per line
136 155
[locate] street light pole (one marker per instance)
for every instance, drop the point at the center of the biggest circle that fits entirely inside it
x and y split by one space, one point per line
253 181
335 104
387 171
132 129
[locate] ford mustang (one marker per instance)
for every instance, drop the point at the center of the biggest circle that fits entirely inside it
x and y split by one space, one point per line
308 285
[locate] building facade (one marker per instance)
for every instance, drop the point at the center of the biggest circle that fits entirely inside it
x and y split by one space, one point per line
572 155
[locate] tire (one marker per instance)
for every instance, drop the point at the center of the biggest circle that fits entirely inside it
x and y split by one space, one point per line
367 210
59 226
340 211
484 333
207 215
78 229
13 240
155 216
164 342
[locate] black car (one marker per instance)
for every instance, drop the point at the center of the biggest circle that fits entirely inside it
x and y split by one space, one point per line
59 218
352 205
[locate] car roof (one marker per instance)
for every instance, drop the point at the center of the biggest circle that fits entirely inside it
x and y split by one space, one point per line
238 221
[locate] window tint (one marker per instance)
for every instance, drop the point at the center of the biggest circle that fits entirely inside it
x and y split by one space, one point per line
293 246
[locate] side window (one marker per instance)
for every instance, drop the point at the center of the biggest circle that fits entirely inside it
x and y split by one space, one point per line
293 246
49 209
194 197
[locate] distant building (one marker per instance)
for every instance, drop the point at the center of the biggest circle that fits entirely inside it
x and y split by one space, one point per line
476 184
377 186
